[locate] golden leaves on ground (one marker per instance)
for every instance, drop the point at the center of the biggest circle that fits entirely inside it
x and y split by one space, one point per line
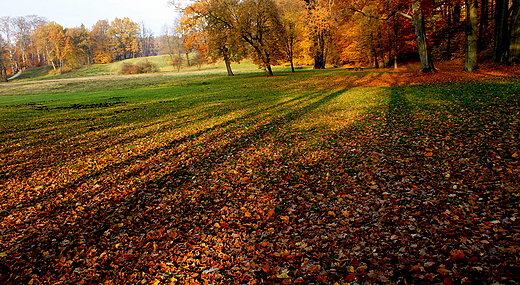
414 191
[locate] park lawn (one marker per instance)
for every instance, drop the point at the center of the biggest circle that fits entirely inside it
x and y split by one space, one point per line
318 176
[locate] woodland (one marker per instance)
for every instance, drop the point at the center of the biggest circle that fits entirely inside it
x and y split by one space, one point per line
316 33
377 144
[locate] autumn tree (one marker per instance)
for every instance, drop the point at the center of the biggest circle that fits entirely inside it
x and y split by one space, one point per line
260 26
485 25
212 27
195 38
100 42
417 17
57 46
369 37
35 54
294 19
321 21
123 34
447 29
81 46
18 33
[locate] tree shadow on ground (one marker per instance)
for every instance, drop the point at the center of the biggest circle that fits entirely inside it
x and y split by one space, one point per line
81 228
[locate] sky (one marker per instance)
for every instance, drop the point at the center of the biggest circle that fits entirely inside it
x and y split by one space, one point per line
72 13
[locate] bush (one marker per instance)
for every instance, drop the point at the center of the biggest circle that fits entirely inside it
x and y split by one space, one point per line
129 68
177 62
148 67
141 67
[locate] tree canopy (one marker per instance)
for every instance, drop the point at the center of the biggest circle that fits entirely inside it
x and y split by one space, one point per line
376 33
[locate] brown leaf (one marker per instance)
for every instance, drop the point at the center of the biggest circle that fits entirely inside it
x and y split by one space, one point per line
266 268
443 271
457 254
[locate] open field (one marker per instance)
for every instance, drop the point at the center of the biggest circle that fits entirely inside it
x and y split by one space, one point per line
322 177
161 61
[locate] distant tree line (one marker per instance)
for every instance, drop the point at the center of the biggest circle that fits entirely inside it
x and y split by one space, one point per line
378 33
31 41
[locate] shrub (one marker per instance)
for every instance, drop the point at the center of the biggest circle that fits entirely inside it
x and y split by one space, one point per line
148 67
177 62
141 67
129 68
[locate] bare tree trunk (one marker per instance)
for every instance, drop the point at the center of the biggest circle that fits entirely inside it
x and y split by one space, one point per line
471 63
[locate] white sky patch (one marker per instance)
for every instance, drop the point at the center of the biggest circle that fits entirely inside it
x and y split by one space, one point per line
72 13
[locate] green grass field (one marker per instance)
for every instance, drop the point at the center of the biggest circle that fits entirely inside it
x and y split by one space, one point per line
313 177
161 61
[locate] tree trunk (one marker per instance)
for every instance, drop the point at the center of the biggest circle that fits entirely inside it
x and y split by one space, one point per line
471 63
228 65
269 70
396 42
501 31
446 54
514 46
53 65
484 18
420 38
267 62
374 52
188 59
291 55
320 58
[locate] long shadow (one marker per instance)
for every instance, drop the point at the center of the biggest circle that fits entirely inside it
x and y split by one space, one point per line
422 173
70 187
94 224
102 145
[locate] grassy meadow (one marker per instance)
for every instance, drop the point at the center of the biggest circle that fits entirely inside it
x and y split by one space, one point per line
322 177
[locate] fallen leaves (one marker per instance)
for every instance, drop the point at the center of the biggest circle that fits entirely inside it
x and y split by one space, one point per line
428 196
